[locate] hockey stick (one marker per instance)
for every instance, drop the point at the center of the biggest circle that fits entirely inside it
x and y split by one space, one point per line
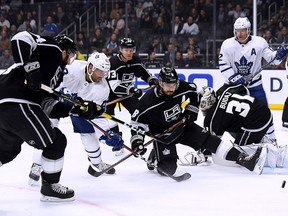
66 97
180 178
106 115
126 97
260 70
180 122
96 174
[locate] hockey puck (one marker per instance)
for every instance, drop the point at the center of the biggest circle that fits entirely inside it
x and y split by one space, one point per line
283 184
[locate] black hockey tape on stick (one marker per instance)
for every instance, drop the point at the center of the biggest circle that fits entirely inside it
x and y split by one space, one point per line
180 122
59 94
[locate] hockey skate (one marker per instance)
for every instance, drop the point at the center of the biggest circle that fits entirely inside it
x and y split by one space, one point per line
151 162
193 159
34 174
118 151
254 162
56 193
96 169
285 125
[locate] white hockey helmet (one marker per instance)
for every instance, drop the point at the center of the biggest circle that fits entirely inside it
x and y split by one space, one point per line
208 99
99 61
242 23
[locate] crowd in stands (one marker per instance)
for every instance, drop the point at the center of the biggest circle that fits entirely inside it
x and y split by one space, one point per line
149 23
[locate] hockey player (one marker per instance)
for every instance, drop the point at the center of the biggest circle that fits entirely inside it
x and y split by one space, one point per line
245 117
37 60
160 108
285 110
240 60
86 79
125 66
241 56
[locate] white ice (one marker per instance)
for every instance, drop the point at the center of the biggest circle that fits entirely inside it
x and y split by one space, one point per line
135 191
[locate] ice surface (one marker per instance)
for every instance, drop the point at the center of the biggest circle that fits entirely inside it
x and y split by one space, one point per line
135 191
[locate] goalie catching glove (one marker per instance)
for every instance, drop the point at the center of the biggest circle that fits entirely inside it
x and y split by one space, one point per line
88 109
113 140
137 144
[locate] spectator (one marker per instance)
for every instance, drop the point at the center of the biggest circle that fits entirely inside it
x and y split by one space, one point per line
104 23
6 59
139 10
192 45
160 28
12 32
191 61
24 26
112 43
98 40
179 61
118 24
178 25
5 42
16 5
152 61
269 37
50 28
3 20
116 9
82 43
60 17
282 36
168 56
156 45
190 27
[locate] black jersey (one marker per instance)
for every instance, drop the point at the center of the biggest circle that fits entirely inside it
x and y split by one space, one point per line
28 46
122 74
234 112
161 112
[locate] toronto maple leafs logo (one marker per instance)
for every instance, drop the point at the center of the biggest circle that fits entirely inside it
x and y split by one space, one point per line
243 67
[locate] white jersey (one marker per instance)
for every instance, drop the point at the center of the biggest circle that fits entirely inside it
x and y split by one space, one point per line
245 59
74 80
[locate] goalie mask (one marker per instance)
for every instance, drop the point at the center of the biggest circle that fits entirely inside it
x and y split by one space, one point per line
98 61
242 23
207 100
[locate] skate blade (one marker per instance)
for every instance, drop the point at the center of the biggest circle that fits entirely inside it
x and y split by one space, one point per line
119 153
55 199
258 169
32 182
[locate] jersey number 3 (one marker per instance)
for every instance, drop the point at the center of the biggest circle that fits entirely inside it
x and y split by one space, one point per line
239 105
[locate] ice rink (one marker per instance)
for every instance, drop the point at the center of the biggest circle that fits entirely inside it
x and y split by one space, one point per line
135 191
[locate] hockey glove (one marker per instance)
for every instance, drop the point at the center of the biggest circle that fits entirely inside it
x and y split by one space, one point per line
89 109
114 139
281 53
137 92
33 75
236 79
153 81
137 145
190 113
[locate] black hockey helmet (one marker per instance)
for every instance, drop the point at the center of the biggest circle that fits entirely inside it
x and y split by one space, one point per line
66 43
168 75
127 43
